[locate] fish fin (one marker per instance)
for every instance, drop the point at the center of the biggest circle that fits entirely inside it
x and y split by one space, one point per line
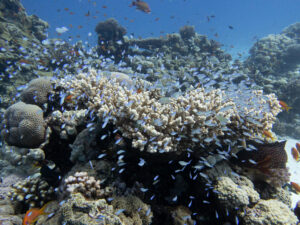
265 163
288 108
42 210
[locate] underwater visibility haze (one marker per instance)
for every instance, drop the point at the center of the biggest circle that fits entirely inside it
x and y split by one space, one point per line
149 112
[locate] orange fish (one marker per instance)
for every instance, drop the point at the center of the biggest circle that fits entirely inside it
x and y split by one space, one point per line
32 215
295 153
284 106
140 5
268 134
296 186
298 146
25 61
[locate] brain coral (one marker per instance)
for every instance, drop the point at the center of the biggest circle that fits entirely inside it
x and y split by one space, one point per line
23 125
37 91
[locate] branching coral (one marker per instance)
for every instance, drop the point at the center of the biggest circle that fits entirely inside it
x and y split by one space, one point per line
200 116
33 192
84 184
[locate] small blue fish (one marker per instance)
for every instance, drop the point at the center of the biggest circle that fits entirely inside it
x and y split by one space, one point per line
101 156
144 189
103 136
142 162
118 141
175 198
148 212
119 211
120 152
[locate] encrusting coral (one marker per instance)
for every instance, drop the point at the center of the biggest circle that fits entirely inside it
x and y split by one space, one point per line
203 116
24 125
269 212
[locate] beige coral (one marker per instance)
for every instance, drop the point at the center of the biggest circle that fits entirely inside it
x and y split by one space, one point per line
233 195
203 116
84 184
269 212
23 125
33 192
37 91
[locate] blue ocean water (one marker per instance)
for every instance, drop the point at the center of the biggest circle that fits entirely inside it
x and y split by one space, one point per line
250 19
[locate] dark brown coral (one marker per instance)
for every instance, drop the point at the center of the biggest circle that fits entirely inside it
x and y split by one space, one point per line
267 162
266 156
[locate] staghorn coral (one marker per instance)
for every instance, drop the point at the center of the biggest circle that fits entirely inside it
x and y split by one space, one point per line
23 125
201 116
37 91
32 192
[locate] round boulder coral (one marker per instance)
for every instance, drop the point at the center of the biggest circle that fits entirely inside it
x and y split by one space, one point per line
23 125
37 91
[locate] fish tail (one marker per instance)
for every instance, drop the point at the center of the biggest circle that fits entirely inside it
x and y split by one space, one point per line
42 210
288 108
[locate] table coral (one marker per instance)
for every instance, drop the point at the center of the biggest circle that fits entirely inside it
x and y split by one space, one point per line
199 116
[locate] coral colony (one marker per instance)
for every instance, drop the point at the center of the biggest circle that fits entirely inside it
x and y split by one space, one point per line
142 131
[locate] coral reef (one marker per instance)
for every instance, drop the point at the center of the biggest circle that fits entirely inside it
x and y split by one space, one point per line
21 159
66 122
269 212
84 184
235 196
134 211
37 91
199 115
167 124
24 125
274 65
7 213
187 32
267 163
32 192
110 39
78 210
